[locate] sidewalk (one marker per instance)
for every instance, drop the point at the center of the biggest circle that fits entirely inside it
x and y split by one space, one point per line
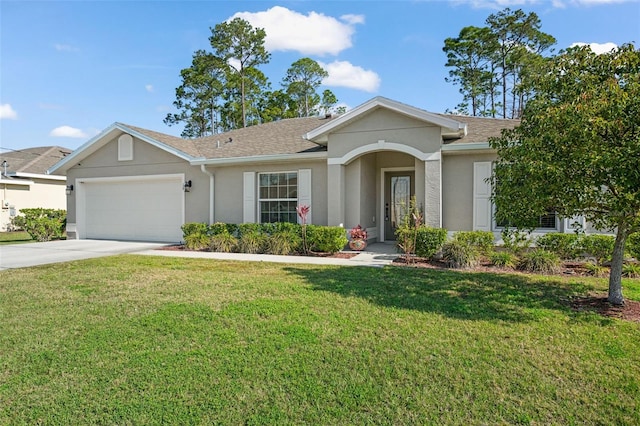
376 254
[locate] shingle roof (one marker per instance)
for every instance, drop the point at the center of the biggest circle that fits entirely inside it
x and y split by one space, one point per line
286 137
480 129
33 160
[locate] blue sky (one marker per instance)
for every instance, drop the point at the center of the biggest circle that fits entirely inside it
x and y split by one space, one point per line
70 69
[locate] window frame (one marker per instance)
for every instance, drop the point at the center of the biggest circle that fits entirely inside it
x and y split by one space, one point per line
292 214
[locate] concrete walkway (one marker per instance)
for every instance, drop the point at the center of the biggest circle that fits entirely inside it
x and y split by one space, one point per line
33 254
376 254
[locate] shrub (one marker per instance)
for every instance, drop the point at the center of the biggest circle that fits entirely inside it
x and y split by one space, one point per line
567 246
482 240
194 228
223 242
41 224
503 259
219 228
539 261
252 241
197 241
457 254
600 247
596 270
631 270
283 243
633 245
326 239
248 228
515 241
429 241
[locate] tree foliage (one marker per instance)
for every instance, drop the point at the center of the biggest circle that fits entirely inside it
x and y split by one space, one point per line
301 83
224 89
577 149
489 63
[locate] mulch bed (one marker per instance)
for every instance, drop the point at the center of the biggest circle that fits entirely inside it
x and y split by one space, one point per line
598 303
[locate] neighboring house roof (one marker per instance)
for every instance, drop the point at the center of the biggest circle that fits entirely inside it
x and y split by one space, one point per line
32 162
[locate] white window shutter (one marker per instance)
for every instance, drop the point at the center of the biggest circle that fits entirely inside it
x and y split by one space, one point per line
249 197
304 191
125 148
481 196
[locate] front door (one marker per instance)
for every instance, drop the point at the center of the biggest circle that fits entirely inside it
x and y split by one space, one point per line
399 187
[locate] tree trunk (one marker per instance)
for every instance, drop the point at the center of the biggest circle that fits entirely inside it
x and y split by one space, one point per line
615 277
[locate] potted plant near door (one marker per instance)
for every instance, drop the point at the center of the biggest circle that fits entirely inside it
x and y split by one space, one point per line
358 238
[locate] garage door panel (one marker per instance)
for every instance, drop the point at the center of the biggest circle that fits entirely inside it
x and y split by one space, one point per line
147 210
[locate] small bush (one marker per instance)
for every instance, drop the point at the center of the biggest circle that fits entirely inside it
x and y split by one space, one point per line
631 270
457 254
596 270
252 241
283 243
41 224
567 246
539 261
504 259
481 240
515 241
326 239
633 245
197 241
219 228
223 242
429 241
193 228
600 247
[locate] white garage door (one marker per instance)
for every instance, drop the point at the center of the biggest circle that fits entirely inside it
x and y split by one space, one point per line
137 210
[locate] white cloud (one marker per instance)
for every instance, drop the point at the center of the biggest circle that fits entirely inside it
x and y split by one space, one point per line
67 132
312 34
598 48
345 74
7 112
65 48
149 88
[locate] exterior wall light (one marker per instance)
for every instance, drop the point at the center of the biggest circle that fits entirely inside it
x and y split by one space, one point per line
186 187
69 189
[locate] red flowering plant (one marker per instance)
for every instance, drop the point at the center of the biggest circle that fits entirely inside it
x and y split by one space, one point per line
358 233
303 211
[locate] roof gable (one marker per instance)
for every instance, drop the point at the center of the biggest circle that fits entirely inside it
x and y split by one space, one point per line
449 125
182 148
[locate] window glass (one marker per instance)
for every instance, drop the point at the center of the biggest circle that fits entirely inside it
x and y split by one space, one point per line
278 194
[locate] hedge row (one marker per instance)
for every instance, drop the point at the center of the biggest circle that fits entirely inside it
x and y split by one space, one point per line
270 238
598 247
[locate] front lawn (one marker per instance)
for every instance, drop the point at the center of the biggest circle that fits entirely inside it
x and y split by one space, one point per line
15 237
150 340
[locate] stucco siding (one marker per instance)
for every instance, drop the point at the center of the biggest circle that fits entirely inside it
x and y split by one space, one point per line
42 193
457 190
229 189
384 125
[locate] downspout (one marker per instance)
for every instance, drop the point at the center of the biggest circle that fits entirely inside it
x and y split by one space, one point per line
212 181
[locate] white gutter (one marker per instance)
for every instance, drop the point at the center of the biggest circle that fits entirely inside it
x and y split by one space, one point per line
261 159
38 176
472 146
212 188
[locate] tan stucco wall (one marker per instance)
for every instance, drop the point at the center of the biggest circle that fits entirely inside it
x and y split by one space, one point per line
147 160
457 190
388 126
229 188
43 193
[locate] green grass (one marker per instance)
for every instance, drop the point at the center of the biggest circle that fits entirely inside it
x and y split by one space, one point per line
15 237
151 340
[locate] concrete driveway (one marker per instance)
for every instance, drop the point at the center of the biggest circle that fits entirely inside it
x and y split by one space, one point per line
32 254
